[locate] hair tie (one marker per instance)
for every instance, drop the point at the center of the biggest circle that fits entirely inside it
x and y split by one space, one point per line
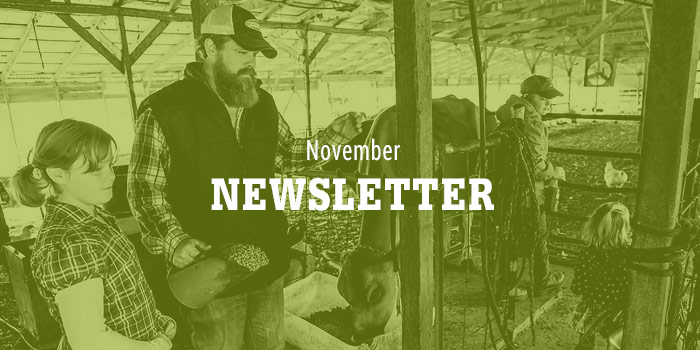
36 172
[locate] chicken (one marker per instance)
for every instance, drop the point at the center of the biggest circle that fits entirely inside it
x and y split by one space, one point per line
614 177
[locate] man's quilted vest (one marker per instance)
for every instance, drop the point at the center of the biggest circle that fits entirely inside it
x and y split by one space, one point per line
202 145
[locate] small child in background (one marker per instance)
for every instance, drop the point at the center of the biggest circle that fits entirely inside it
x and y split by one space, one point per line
84 267
601 276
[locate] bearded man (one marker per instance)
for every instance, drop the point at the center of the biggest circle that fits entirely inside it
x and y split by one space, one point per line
219 123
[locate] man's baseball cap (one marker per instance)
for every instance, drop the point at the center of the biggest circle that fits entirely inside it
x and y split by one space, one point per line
241 25
540 85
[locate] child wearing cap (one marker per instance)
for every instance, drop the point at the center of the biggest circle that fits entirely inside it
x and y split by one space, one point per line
534 102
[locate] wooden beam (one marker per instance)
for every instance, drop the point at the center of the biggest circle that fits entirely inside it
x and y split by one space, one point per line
77 49
148 72
126 61
19 47
414 111
96 44
667 115
387 34
12 124
107 42
647 25
606 24
536 58
173 5
154 33
306 16
549 12
307 80
269 11
319 46
80 9
377 20
285 47
356 59
148 40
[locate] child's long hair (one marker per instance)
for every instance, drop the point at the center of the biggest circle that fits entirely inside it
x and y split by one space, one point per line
59 145
608 227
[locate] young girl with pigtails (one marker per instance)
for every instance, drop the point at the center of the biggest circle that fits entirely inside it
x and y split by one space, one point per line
601 276
84 267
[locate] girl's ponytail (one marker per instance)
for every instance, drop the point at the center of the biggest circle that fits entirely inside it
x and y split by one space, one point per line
59 145
30 186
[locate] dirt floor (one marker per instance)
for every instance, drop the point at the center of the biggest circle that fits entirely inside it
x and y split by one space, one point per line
339 231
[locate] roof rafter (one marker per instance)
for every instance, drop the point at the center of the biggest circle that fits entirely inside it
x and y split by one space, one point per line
269 11
155 32
81 9
19 47
77 49
319 46
550 12
148 72
285 47
90 39
606 24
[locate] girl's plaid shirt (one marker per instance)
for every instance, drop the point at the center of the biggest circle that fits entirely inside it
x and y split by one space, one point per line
72 246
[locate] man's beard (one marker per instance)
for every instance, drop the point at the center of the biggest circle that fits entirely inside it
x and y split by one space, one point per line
236 89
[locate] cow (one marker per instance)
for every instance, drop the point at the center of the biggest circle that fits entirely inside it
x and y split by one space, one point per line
367 279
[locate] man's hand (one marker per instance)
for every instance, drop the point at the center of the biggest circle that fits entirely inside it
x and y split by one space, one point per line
187 251
349 124
559 173
170 329
518 112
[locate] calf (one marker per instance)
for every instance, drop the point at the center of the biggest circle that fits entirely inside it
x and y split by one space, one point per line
367 280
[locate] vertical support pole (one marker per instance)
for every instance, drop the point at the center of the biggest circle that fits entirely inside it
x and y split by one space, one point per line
126 61
330 96
441 244
200 9
647 25
644 92
551 67
601 48
58 100
569 70
414 110
486 69
667 114
307 79
103 86
6 96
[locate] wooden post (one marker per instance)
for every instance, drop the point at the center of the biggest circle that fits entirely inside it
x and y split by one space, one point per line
58 100
307 79
200 9
489 55
667 114
126 62
569 70
103 86
536 58
12 124
414 108
601 43
644 93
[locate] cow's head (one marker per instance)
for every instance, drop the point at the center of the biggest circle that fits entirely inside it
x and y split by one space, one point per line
369 283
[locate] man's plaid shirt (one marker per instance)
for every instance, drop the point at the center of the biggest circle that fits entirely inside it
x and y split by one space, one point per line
150 163
73 246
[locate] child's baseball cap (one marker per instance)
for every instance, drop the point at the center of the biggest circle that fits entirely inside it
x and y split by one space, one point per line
540 85
239 24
